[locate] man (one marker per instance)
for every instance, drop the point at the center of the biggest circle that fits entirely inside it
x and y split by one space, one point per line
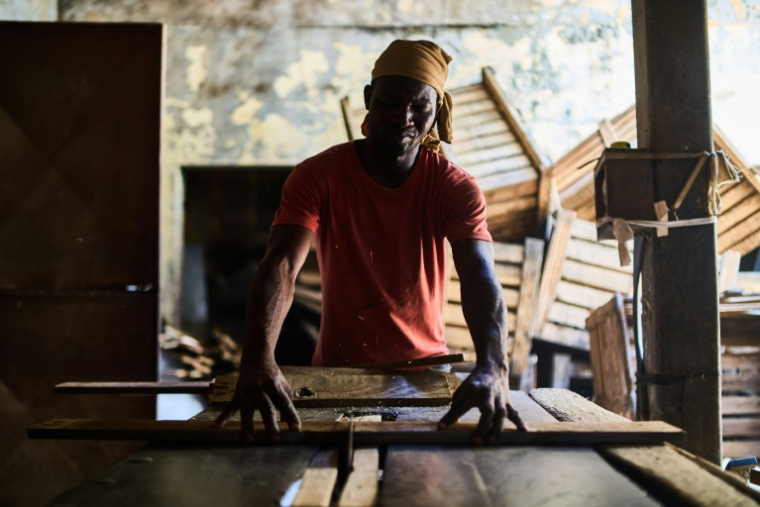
381 208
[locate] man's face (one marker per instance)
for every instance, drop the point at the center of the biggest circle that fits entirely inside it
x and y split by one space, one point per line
401 113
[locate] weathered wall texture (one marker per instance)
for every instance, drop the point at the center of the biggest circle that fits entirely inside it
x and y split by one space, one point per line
29 10
259 81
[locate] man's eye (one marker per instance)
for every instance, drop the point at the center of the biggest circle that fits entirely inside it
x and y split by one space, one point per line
422 108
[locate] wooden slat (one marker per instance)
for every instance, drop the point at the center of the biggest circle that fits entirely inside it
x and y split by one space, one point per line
314 390
579 295
740 405
318 480
474 107
730 238
508 252
455 316
568 315
458 337
133 388
602 254
361 486
365 433
511 296
504 211
503 165
416 363
741 448
597 277
729 270
510 178
730 197
526 308
487 154
495 190
741 426
483 142
562 335
607 133
552 272
489 128
738 213
568 406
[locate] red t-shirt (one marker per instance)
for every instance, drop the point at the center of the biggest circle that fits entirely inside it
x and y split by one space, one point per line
381 251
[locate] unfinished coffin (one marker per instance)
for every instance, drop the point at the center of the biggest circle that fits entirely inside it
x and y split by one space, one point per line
739 221
490 144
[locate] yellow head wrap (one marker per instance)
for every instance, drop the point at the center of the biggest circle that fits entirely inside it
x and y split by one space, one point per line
424 61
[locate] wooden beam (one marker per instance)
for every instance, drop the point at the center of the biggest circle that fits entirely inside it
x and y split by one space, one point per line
318 480
416 363
526 307
552 273
361 487
365 433
673 111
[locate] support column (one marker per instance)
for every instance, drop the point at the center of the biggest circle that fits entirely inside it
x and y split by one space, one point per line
679 297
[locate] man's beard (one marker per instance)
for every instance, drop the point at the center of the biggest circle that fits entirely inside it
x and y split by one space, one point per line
387 146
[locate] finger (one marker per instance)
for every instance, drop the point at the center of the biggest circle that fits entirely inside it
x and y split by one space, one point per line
457 410
227 413
269 416
514 416
484 424
498 424
246 419
288 412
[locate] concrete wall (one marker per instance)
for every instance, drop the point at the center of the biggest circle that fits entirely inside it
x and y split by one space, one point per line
259 82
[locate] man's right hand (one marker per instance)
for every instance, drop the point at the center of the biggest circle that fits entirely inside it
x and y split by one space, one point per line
261 386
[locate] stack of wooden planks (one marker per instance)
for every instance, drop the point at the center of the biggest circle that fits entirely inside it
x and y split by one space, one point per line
490 144
739 221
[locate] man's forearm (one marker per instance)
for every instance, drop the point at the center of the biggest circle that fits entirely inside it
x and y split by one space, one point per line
486 314
269 300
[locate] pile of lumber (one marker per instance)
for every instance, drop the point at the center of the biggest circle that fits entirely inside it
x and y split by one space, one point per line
187 358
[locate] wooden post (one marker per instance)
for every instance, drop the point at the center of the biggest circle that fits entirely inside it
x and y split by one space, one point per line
680 316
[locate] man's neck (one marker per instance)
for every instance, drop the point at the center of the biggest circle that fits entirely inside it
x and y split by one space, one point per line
388 170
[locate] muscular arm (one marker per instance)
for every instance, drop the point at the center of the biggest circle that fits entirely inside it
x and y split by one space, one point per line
261 385
485 311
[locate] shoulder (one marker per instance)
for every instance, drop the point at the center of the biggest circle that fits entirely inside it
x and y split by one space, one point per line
329 159
448 174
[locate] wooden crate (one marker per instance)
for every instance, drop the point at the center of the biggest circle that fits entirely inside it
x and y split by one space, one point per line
739 221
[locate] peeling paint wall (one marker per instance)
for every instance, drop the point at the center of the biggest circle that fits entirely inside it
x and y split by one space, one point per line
29 10
259 82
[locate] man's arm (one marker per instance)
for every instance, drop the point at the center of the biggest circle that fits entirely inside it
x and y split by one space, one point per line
261 385
485 311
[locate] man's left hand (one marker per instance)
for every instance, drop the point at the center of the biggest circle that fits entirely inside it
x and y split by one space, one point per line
487 389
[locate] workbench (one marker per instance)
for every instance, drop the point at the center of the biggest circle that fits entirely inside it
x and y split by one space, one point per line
189 474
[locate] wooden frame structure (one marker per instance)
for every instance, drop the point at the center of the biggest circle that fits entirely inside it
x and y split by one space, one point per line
739 221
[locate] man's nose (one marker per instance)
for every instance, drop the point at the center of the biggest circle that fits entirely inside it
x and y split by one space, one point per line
402 116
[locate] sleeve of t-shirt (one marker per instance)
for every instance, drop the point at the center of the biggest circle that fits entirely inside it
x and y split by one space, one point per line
465 216
302 199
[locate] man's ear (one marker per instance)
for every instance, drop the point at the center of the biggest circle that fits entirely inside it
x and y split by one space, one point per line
368 95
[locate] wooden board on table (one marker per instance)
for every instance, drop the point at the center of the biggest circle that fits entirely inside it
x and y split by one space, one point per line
365 433
314 390
416 363
361 487
683 478
318 480
536 476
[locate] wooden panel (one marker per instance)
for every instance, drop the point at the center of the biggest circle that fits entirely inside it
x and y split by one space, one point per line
365 433
499 152
501 211
741 448
483 142
595 276
314 390
79 197
474 107
493 127
503 165
421 476
507 179
729 270
526 309
316 487
738 213
568 406
734 195
739 232
508 252
741 426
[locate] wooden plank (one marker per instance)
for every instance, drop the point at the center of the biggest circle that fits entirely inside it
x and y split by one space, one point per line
411 389
748 244
688 482
607 132
583 229
483 142
493 127
512 164
318 480
740 405
738 213
365 433
732 196
454 294
597 277
526 307
133 388
729 270
513 253
602 254
562 335
503 210
495 191
498 152
568 315
739 232
507 179
552 272
741 426
579 295
741 448
416 363
458 337
508 275
568 406
361 486
417 476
